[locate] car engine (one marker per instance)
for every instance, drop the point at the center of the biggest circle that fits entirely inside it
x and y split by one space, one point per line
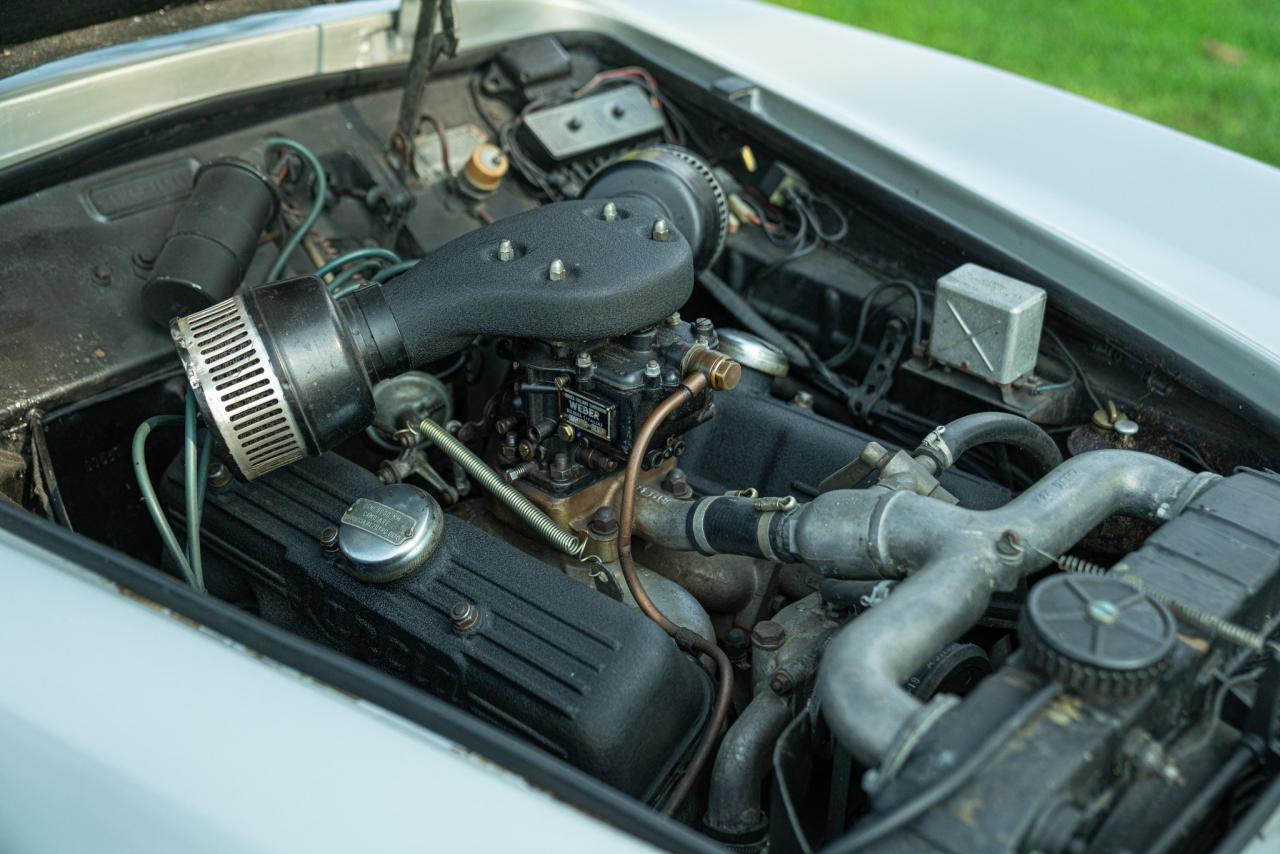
592 406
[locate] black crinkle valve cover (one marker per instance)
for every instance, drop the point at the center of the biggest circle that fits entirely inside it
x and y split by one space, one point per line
586 678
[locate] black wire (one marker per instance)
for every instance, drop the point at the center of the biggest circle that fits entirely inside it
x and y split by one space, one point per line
1189 451
917 330
811 204
473 86
1084 378
877 828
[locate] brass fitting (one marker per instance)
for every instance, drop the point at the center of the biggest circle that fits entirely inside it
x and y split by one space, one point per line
721 371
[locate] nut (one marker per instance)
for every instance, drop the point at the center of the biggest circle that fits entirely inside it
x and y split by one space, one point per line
556 272
329 539
677 483
661 231
464 616
219 476
603 524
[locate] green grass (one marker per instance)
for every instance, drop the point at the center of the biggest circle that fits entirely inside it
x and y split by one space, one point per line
1210 68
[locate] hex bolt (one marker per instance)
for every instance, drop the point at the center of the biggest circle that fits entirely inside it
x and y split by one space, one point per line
557 271
506 251
768 635
514 473
329 539
704 326
781 683
652 369
464 616
559 468
609 212
803 400
219 476
661 231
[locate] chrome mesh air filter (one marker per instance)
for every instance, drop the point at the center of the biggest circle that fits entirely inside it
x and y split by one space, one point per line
229 367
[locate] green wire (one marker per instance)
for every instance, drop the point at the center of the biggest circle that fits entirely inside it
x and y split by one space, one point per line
191 489
348 274
322 190
206 452
356 255
342 286
149 492
396 269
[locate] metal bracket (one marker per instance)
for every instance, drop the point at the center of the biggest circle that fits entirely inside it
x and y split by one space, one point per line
876 384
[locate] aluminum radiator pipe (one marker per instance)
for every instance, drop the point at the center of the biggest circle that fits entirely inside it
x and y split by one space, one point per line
952 558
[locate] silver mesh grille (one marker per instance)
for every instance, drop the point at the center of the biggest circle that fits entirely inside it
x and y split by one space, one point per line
227 364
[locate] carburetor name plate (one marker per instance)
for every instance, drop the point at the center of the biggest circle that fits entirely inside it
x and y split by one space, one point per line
587 413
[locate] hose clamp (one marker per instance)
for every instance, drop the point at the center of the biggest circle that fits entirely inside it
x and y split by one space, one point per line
907 739
935 447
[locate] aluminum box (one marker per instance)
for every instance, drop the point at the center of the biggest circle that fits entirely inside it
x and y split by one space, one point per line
987 324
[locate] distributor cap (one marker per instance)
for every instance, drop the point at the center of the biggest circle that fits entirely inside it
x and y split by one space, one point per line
1097 635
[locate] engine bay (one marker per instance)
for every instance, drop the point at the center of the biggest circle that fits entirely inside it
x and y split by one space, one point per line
621 420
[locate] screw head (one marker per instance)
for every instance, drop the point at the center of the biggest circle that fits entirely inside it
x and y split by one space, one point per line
556 272
102 274
583 360
506 251
661 230
1009 544
566 432
803 399
609 212
673 319
464 616
703 326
